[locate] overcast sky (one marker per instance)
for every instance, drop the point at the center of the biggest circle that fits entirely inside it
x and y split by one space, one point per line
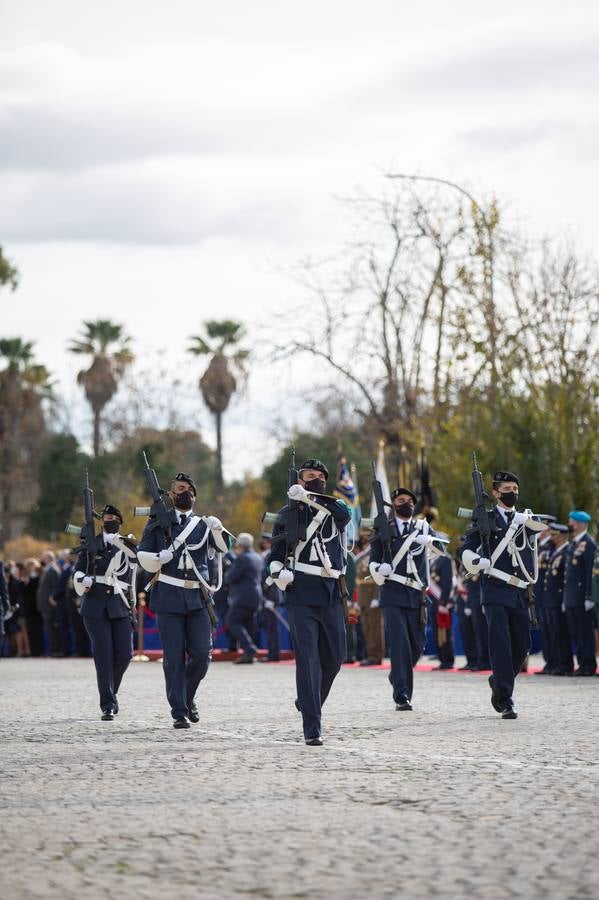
161 163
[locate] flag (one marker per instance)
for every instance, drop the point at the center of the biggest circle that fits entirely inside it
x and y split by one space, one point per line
346 488
381 475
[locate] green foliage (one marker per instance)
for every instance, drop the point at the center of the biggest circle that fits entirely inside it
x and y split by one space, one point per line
60 474
9 274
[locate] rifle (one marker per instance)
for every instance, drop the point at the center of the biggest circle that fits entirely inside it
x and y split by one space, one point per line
481 516
382 526
87 533
295 529
427 502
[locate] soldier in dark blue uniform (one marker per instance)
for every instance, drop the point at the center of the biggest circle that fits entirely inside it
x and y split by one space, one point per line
403 593
578 599
244 580
180 593
464 615
505 582
271 601
312 593
545 549
441 591
103 578
479 624
559 644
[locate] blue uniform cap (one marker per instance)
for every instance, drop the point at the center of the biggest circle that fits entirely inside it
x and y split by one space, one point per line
579 515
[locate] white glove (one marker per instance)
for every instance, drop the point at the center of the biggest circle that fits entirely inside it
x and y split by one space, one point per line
213 523
467 612
164 556
484 563
520 519
424 540
269 604
297 492
588 605
87 582
384 569
284 578
374 604
110 538
563 607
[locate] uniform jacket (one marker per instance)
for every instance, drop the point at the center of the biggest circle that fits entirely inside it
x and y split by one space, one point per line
46 587
172 598
442 577
244 578
101 598
546 548
553 595
392 593
493 590
310 589
578 576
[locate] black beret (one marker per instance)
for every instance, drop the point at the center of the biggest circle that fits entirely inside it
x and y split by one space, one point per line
315 464
110 510
181 476
502 476
402 490
557 526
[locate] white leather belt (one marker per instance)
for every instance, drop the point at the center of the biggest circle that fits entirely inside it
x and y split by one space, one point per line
316 570
112 582
402 579
509 579
179 582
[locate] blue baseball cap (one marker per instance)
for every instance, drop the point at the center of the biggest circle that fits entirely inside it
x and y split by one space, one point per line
579 515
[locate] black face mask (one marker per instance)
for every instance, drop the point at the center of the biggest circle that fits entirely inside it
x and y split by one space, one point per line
183 501
509 498
404 509
111 527
316 486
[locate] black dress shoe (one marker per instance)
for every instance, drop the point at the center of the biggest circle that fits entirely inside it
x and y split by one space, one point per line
371 662
107 715
115 708
403 705
270 659
509 713
181 723
314 742
467 668
194 715
582 673
497 706
444 667
244 660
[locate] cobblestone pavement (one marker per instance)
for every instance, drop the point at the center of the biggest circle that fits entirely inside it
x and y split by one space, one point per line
446 801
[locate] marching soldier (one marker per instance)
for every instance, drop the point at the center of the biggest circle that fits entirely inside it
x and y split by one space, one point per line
179 594
440 588
313 596
505 581
578 599
107 603
403 584
559 644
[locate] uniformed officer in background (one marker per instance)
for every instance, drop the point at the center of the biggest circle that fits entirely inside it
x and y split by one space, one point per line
441 590
578 599
559 644
104 578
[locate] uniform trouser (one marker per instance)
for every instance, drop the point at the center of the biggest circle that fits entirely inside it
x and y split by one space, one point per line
559 645
481 636
405 639
35 633
319 643
542 620
581 625
509 645
372 628
112 646
270 624
187 646
82 647
241 623
468 638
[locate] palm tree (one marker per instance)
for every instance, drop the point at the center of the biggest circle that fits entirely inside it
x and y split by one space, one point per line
101 381
24 384
218 383
9 274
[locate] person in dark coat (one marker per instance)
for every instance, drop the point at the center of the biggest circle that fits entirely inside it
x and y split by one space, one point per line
244 580
271 602
180 594
34 623
309 574
46 602
578 592
505 581
103 578
559 644
441 590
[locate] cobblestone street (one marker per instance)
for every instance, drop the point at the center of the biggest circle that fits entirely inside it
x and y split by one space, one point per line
446 801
